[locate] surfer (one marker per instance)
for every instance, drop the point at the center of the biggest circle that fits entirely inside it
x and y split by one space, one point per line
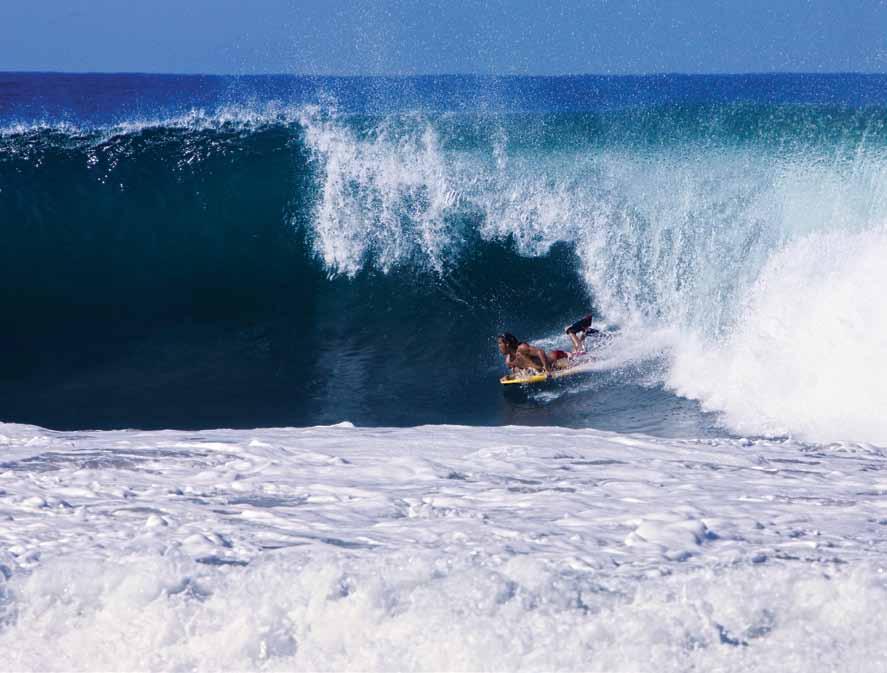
578 331
521 355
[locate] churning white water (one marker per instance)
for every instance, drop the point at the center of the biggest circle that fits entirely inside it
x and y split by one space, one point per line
438 548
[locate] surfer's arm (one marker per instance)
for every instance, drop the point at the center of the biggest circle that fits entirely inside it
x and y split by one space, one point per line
546 365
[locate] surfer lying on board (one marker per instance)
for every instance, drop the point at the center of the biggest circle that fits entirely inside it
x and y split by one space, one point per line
521 355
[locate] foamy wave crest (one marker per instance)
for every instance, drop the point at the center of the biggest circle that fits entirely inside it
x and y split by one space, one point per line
384 199
808 352
397 194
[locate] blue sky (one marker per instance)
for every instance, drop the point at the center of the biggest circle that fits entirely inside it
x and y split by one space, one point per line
432 37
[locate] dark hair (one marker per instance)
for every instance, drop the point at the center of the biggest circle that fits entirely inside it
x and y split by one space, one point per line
509 339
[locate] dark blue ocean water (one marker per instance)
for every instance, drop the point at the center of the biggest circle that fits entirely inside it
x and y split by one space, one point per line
214 251
96 99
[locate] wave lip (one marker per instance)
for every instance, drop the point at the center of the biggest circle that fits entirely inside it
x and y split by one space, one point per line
384 200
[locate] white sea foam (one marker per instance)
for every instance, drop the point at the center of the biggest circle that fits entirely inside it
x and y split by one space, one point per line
438 548
809 351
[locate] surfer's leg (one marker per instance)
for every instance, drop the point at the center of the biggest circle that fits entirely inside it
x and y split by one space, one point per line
577 332
577 342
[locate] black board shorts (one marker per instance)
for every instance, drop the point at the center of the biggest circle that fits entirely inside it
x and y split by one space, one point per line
580 325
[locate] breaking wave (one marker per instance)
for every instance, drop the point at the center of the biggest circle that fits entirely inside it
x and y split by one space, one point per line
304 253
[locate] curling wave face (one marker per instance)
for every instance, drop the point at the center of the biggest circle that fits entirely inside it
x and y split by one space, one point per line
302 261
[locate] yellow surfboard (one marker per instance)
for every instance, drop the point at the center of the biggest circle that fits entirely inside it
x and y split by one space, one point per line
511 379
583 365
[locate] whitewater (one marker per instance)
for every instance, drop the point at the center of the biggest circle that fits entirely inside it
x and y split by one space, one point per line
438 548
250 416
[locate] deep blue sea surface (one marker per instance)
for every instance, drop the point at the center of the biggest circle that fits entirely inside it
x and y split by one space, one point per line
190 252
